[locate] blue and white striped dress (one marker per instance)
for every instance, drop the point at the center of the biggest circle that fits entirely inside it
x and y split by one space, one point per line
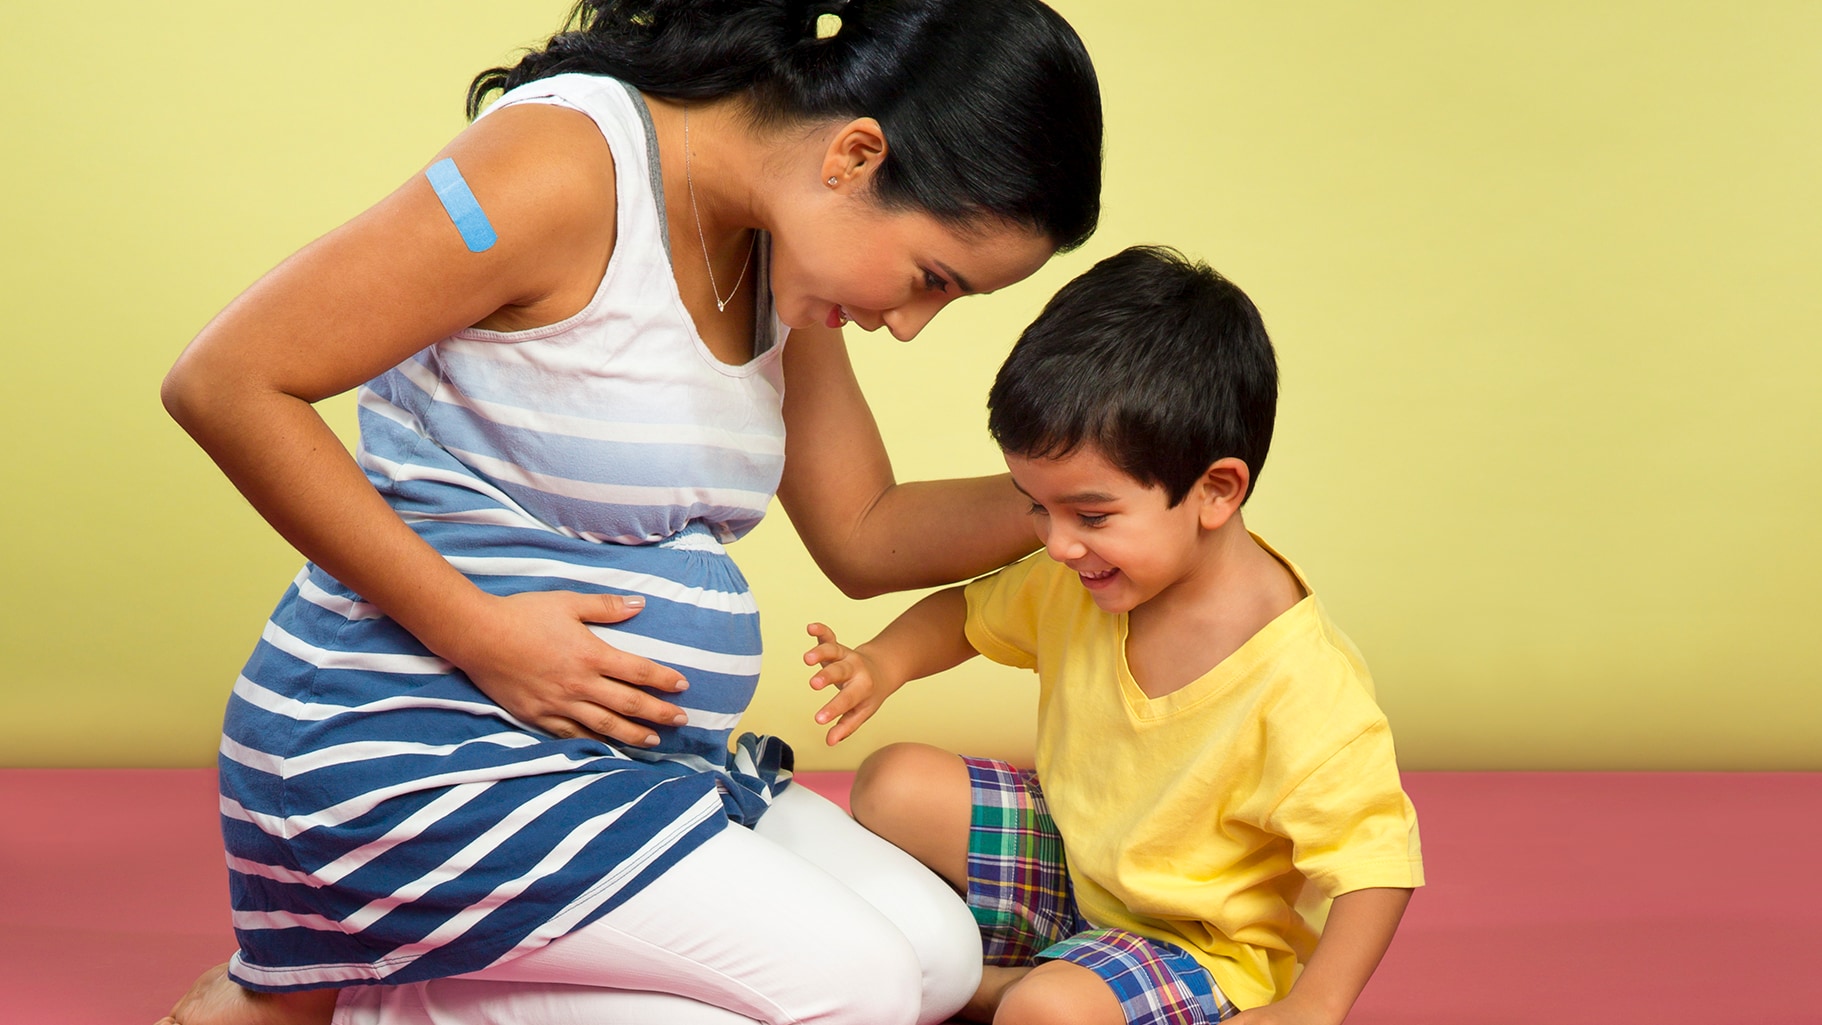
384 820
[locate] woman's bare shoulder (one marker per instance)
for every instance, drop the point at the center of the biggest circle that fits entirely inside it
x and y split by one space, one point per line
544 175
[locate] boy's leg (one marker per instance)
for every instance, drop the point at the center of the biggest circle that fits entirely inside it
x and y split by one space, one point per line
918 797
1116 977
1057 991
1013 873
984 826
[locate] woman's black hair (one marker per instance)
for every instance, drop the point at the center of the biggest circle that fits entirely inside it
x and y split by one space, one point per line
1154 360
989 107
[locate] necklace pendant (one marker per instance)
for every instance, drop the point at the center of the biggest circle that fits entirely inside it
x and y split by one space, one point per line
721 305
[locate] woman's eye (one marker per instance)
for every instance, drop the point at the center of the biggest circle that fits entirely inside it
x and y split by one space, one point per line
934 283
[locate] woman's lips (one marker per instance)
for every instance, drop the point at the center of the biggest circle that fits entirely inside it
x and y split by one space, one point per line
837 317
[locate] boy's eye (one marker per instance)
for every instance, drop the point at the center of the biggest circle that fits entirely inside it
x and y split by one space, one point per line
1038 510
934 283
1092 519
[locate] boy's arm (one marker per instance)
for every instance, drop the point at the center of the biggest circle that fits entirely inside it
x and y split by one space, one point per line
926 639
1359 929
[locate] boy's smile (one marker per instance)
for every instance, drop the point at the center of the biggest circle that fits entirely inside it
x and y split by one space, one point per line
1124 539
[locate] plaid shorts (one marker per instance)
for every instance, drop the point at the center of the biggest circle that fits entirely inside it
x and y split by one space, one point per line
1018 889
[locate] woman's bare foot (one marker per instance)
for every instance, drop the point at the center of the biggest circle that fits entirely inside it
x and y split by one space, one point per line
216 999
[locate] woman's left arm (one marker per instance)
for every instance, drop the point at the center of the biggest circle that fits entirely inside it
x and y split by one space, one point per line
867 532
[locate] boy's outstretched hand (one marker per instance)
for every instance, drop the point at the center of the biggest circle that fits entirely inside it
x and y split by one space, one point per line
928 638
861 687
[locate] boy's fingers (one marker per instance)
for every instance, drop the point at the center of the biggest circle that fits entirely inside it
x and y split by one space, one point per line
836 672
848 724
836 707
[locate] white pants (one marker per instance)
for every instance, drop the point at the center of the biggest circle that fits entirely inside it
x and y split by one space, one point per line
809 918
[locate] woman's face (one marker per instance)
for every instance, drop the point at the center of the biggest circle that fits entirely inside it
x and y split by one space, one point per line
846 259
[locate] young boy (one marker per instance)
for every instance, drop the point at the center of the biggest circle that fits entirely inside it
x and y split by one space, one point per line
1213 763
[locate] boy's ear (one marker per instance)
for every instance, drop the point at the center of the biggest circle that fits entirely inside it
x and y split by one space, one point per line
1221 490
858 149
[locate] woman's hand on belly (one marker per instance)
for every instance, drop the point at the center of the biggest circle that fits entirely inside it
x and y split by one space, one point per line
534 655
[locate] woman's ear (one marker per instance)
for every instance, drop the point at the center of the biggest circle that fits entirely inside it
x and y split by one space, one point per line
856 151
1221 490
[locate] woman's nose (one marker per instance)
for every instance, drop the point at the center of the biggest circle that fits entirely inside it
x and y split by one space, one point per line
907 319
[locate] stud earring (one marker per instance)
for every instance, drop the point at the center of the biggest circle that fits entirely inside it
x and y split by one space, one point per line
832 181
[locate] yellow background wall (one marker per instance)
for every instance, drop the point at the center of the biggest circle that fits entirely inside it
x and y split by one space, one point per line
1542 277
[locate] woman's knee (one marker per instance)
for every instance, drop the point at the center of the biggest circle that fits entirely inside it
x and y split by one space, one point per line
873 978
922 906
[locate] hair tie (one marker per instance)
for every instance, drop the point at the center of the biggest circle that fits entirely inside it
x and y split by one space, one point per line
828 24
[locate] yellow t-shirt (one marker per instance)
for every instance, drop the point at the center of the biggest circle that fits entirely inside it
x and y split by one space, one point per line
1197 817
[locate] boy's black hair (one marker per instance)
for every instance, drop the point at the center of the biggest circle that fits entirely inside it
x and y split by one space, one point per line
1155 360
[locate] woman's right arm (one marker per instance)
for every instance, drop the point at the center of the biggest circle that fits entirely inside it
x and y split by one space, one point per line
362 299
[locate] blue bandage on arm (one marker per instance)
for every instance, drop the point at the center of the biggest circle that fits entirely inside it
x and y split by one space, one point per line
459 202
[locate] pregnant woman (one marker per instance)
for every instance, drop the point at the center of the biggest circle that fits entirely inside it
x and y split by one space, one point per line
478 766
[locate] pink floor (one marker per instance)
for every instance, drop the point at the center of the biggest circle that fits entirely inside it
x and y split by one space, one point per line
1556 898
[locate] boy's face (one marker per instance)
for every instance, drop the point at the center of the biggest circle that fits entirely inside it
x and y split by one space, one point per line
1123 538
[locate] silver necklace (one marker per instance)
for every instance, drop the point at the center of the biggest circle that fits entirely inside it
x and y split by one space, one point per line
689 180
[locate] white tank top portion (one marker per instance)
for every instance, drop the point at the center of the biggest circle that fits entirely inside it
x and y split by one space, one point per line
616 424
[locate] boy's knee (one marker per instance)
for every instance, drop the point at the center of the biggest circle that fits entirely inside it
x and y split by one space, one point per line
918 798
894 785
1058 993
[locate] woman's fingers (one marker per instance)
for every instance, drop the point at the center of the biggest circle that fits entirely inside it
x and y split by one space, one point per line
640 672
598 723
618 727
608 608
615 711
617 664
555 670
619 698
